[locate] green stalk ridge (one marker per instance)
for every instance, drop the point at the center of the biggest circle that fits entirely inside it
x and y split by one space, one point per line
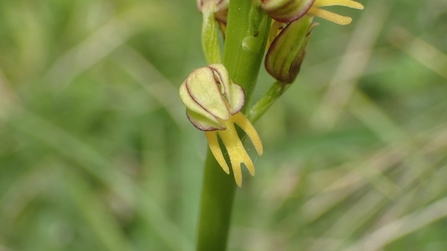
243 52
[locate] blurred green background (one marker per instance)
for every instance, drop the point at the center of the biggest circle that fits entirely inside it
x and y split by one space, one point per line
96 152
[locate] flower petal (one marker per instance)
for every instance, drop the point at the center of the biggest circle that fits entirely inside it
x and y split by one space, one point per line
221 76
286 10
197 114
205 91
237 98
234 93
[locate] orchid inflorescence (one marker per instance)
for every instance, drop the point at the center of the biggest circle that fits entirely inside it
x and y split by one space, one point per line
214 102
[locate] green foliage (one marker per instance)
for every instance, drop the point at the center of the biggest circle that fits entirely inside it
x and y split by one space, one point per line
96 152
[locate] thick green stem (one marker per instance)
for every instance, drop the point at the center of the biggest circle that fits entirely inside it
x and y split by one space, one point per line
215 209
246 38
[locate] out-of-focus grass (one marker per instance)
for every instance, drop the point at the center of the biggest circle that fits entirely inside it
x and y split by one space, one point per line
96 153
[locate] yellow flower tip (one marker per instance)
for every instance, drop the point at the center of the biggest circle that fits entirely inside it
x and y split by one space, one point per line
346 3
250 166
354 5
245 125
237 174
236 160
315 10
330 16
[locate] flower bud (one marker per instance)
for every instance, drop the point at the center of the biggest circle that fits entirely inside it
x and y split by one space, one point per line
211 97
286 53
215 14
286 11
220 8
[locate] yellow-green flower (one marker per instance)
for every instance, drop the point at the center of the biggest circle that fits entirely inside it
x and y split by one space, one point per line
213 103
287 11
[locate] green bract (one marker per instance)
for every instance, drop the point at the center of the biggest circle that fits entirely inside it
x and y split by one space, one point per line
211 97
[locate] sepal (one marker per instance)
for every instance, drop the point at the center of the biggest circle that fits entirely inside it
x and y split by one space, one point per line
286 53
286 11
